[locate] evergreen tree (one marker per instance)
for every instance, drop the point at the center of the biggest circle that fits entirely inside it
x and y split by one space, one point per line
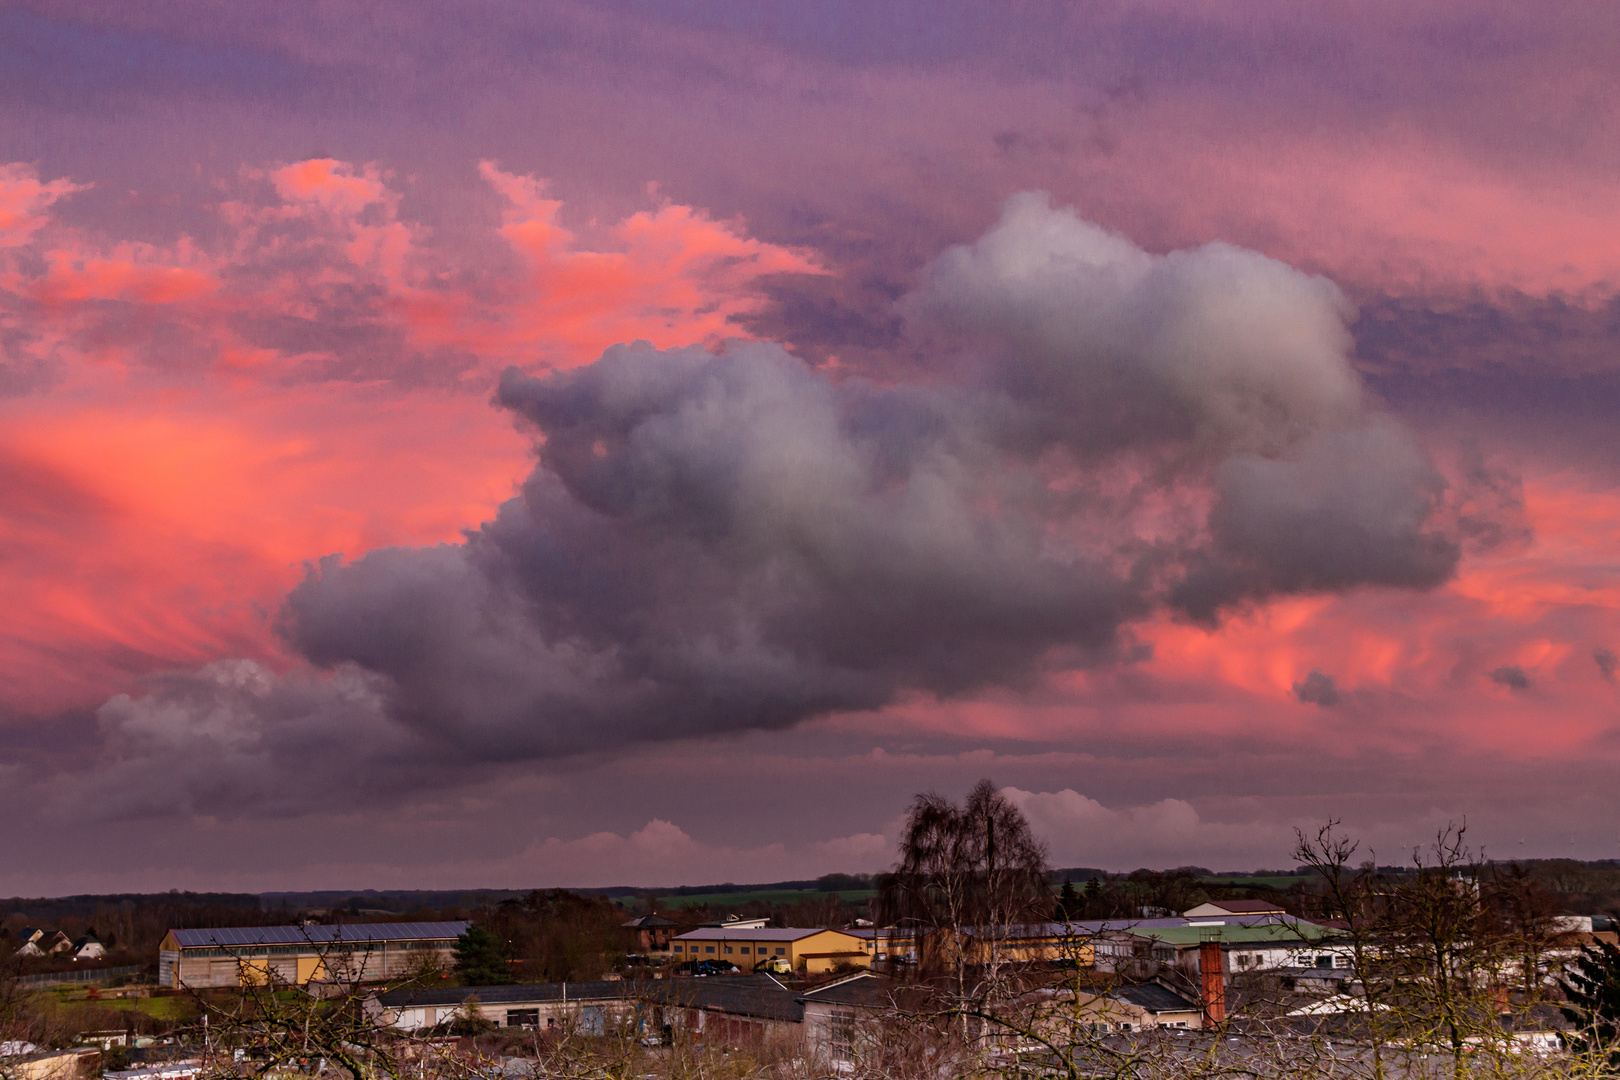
1592 985
481 959
1095 907
1068 906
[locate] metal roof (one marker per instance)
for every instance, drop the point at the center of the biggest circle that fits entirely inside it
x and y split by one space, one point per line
741 995
318 936
723 933
1294 932
1155 998
865 989
1243 907
1081 928
515 994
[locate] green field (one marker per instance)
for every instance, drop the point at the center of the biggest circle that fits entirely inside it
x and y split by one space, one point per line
737 899
1283 881
108 1012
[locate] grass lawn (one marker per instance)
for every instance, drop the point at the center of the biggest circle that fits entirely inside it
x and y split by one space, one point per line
737 899
174 1010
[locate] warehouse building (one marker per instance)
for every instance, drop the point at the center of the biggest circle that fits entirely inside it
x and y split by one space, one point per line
230 956
797 948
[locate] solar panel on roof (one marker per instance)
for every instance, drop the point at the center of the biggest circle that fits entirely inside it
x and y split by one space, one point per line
236 936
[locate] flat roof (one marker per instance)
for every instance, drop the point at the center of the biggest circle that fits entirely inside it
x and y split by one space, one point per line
1081 928
726 933
744 995
1265 933
318 936
511 994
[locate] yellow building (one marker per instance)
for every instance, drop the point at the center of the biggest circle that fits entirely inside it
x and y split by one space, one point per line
1035 942
228 956
808 950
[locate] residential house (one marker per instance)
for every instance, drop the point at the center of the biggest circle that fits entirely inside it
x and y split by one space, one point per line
651 933
88 948
41 942
229 956
1146 1005
803 949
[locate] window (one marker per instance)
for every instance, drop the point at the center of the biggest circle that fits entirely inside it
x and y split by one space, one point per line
728 950
680 948
1127 1027
522 1018
1324 961
781 952
843 1034
745 950
708 948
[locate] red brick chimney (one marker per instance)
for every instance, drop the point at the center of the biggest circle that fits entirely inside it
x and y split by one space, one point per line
1213 980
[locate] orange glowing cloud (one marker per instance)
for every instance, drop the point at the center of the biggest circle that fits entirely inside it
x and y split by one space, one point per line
686 277
1507 659
211 429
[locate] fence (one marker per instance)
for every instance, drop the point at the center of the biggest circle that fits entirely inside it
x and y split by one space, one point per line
80 975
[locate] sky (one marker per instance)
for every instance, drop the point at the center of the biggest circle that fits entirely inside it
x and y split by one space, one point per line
508 444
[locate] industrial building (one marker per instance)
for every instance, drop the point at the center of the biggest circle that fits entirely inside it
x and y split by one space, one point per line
798 948
232 956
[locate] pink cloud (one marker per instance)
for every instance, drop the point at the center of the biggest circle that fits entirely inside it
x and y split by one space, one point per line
212 428
25 202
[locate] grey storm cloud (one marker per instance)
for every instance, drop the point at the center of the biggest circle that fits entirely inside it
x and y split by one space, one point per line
1606 661
718 541
1317 688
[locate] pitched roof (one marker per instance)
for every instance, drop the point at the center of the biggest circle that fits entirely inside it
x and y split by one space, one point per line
650 922
1155 998
318 936
1245 907
864 989
740 995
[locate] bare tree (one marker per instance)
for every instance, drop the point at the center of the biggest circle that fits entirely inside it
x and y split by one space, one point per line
970 879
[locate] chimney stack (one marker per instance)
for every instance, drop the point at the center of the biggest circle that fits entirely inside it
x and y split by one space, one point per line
1213 981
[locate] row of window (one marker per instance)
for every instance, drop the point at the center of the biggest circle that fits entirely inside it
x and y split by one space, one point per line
305 950
763 951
